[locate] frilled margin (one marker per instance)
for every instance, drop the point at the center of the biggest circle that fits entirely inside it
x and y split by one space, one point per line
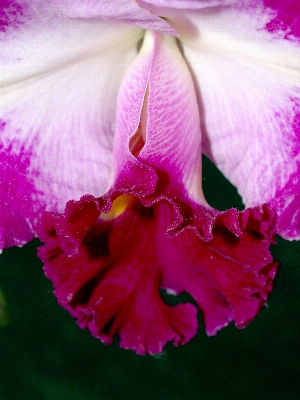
107 268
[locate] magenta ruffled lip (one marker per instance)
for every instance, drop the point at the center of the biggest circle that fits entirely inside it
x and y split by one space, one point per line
108 273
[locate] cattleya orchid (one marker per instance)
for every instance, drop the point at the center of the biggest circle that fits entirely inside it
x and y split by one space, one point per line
111 103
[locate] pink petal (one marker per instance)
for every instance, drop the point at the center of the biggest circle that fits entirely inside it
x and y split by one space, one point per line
245 60
58 105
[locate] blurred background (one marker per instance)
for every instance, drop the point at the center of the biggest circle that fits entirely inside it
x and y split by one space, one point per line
45 356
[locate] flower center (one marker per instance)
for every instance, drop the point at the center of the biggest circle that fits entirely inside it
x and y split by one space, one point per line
120 204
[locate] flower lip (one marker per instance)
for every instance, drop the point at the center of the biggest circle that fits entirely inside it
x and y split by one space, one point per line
110 279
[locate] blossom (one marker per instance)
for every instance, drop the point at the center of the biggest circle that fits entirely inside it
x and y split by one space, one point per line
100 98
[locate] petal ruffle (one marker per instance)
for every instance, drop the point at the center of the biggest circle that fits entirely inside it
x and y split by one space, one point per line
107 272
110 294
111 285
245 60
58 108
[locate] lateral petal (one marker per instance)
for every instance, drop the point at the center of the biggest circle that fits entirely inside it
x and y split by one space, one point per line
58 110
245 60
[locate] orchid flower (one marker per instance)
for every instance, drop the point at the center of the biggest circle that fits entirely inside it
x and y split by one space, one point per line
111 103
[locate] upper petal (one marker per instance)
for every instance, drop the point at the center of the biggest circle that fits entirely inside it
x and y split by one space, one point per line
245 60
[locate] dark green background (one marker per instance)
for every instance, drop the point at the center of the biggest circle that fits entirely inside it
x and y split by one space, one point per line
45 356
